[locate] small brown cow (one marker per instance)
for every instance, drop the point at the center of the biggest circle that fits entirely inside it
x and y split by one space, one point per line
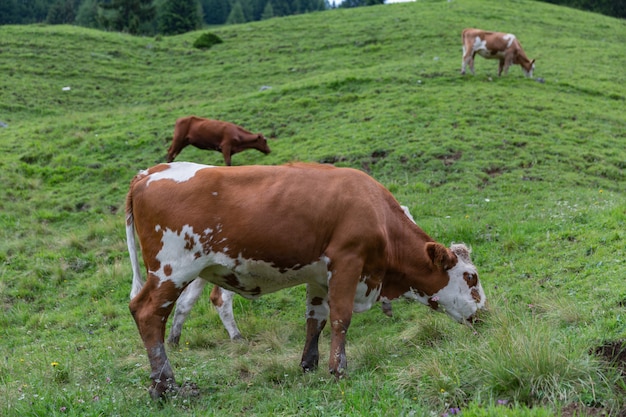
494 45
216 135
259 229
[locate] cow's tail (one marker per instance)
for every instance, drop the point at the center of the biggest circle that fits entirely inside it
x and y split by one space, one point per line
138 281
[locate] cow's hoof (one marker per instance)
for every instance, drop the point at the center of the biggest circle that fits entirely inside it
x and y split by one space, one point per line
339 373
173 341
161 390
308 367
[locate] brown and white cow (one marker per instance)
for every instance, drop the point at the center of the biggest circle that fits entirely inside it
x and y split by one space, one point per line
494 45
222 300
224 137
258 229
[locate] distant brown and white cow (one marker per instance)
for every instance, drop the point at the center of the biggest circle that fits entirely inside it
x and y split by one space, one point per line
495 45
258 229
224 137
222 300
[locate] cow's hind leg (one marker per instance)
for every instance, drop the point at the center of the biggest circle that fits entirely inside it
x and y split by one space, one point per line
150 309
183 306
467 58
316 316
223 301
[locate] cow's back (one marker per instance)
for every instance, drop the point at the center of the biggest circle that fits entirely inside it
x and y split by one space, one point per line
286 215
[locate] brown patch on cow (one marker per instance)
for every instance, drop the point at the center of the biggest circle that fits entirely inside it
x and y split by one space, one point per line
317 301
471 279
216 296
167 270
233 282
433 304
190 242
475 295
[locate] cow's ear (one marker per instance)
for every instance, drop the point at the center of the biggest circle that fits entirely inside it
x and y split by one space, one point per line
440 256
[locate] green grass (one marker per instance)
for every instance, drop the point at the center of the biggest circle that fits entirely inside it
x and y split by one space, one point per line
530 174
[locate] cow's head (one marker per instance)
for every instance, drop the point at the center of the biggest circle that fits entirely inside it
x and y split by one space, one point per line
462 296
529 68
260 143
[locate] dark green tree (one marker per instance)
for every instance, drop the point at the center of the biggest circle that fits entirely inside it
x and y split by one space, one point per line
236 14
179 16
215 11
268 11
62 12
87 15
132 16
8 12
281 7
360 3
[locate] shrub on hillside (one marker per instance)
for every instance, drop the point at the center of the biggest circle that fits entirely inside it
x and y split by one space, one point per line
207 40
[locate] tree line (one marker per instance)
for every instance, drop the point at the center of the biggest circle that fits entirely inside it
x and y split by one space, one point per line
158 16
169 17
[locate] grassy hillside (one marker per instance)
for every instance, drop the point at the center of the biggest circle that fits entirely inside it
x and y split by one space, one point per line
530 174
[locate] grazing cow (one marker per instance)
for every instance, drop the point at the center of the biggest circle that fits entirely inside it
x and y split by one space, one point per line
223 301
258 229
224 137
495 45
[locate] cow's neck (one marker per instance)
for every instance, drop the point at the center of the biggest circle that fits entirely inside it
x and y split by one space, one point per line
408 265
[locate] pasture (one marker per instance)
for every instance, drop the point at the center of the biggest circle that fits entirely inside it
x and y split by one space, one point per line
530 174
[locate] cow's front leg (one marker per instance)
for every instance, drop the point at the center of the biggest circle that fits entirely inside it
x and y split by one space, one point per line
316 316
341 292
150 309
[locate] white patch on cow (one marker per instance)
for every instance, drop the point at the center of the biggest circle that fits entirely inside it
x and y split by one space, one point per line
407 213
362 300
456 298
414 294
183 257
167 304
157 228
257 277
177 171
510 38
479 45
180 256
318 312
